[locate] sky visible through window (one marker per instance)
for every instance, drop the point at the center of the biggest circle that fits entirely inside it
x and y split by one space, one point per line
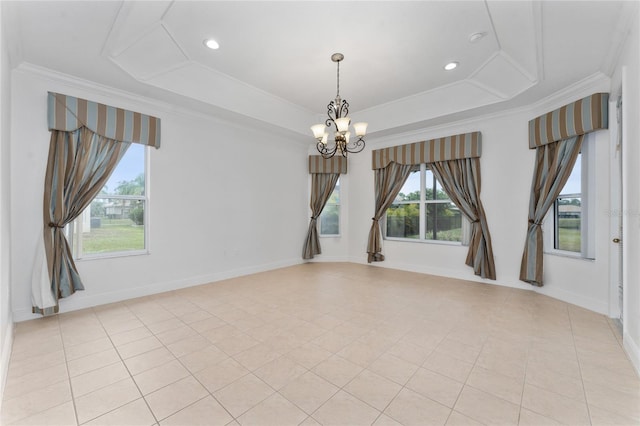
411 185
574 184
129 167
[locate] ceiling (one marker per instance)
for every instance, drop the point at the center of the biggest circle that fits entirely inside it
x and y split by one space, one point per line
274 63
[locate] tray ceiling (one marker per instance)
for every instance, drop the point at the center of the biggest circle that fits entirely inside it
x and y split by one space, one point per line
274 61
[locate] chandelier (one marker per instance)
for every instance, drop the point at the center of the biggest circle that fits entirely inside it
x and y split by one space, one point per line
338 112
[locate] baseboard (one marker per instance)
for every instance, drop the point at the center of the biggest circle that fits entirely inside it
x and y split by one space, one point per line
601 307
468 275
80 301
327 259
633 351
5 357
430 270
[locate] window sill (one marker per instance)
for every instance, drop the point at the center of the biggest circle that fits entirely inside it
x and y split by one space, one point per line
112 255
436 242
329 236
568 255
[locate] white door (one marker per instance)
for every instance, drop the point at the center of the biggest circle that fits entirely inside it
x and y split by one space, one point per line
615 252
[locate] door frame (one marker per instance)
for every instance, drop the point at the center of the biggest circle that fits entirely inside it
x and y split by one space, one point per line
616 132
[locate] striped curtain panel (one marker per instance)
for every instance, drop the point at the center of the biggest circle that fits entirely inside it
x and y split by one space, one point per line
87 142
554 163
460 179
325 173
557 138
388 183
577 118
466 145
80 163
69 113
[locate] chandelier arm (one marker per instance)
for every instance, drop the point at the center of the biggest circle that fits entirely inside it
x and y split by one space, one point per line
331 113
344 109
326 152
355 146
335 111
329 122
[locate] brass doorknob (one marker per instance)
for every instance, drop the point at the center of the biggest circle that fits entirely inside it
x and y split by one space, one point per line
616 240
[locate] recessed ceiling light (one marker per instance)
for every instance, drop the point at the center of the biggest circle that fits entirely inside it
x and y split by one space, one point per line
476 36
211 43
450 66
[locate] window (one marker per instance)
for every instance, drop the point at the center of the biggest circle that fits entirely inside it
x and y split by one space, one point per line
567 225
115 221
423 211
330 216
567 213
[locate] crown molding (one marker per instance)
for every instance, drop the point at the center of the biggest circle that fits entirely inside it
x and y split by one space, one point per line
596 82
621 31
155 106
587 86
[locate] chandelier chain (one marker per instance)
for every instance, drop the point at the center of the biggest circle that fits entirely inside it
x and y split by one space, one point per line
338 79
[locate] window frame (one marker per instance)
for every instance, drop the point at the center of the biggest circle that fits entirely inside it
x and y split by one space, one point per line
338 188
73 230
587 207
422 204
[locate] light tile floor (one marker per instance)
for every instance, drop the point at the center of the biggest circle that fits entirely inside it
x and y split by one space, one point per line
332 344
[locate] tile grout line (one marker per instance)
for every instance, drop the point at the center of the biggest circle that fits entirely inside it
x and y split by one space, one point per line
68 380
191 373
402 387
467 378
575 348
125 365
64 351
323 378
367 368
526 368
508 297
524 380
194 376
179 361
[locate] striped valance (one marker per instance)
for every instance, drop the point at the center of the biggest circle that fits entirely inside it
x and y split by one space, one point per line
69 113
467 145
317 164
577 118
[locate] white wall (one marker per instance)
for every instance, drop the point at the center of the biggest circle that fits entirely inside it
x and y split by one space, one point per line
225 200
625 76
6 321
507 169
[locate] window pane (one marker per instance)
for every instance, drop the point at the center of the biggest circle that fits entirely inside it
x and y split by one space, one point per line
128 177
113 225
411 189
403 220
568 212
444 222
330 216
330 220
574 183
568 225
335 195
434 190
